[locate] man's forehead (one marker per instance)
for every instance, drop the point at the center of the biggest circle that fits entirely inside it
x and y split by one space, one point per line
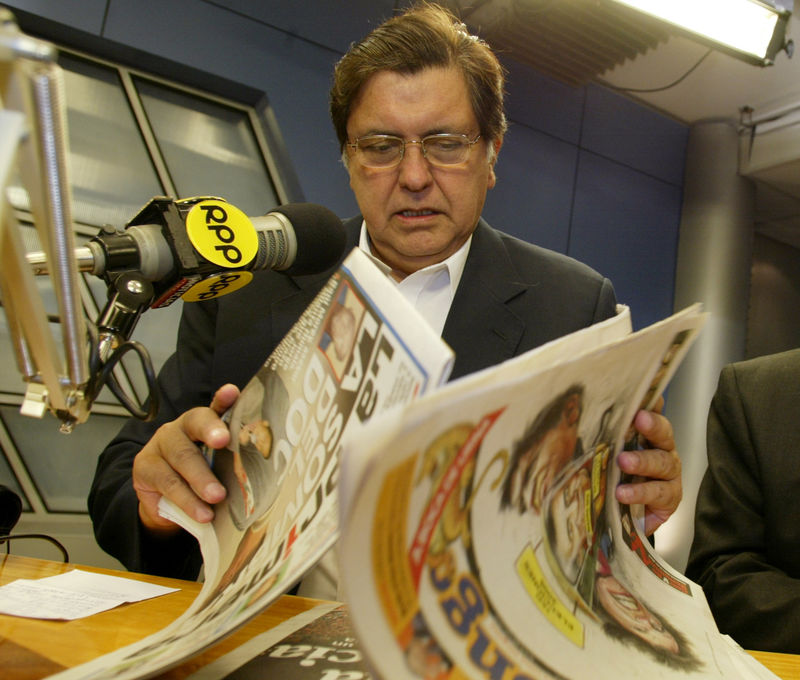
393 99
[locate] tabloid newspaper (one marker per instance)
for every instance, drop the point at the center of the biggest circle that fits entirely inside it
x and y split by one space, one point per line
359 350
480 534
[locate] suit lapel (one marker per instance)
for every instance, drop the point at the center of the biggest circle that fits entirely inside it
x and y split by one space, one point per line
481 328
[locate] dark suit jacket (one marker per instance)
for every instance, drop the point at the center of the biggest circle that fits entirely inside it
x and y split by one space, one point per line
513 296
746 548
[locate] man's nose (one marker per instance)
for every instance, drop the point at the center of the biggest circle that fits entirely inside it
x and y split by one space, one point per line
415 171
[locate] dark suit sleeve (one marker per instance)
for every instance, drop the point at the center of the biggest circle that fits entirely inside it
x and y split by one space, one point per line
184 382
606 302
733 555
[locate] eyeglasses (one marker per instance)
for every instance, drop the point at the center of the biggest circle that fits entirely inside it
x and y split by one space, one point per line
386 151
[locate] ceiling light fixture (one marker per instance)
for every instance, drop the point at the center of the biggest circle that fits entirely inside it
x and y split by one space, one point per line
753 30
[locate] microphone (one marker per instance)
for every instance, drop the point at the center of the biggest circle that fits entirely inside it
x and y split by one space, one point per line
201 248
10 510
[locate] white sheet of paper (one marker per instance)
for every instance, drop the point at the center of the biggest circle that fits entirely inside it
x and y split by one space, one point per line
73 595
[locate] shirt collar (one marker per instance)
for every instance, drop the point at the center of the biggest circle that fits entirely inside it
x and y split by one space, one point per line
454 264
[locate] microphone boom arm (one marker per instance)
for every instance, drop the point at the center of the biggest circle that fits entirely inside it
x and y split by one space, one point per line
34 134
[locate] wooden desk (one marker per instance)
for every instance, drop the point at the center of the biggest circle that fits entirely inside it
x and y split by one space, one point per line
31 649
786 666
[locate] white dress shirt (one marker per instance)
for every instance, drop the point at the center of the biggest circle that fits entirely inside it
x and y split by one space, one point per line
430 290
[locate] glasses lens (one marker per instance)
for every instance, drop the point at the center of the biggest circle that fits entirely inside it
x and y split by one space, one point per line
380 151
446 149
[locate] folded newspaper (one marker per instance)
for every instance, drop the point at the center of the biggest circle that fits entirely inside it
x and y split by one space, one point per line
478 532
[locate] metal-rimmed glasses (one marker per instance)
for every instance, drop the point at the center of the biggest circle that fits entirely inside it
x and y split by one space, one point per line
386 151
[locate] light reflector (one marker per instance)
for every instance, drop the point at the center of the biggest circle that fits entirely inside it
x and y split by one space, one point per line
753 28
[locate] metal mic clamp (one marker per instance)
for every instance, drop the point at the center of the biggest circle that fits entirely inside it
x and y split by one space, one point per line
210 240
128 296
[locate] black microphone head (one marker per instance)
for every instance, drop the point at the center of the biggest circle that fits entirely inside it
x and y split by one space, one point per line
320 237
10 510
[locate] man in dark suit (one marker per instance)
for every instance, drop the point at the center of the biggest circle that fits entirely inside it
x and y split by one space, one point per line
746 548
418 111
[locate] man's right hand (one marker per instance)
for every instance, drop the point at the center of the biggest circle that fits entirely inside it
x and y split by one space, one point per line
172 465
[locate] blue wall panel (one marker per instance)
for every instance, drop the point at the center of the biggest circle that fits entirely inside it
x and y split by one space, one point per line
84 15
543 103
625 225
533 195
619 129
331 24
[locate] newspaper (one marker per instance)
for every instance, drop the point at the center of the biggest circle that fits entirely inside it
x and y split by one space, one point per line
323 648
481 537
359 350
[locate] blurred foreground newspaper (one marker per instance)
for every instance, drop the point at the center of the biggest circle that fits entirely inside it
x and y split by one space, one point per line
359 350
480 534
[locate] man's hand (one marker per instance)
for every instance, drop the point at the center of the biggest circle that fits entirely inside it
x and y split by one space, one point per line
172 465
658 469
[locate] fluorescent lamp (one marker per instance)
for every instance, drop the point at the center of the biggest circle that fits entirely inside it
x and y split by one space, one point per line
751 29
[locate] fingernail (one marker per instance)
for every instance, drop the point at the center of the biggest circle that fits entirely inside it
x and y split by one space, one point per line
214 492
218 433
204 514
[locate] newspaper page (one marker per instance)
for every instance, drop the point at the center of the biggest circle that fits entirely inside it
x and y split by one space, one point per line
481 537
360 349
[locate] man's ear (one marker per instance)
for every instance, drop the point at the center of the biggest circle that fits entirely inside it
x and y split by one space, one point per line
497 143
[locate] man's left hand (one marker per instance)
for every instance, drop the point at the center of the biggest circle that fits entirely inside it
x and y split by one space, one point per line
658 470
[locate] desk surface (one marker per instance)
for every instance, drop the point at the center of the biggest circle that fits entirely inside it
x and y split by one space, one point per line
31 649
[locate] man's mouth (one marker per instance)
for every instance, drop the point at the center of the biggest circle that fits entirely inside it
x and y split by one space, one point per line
416 213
